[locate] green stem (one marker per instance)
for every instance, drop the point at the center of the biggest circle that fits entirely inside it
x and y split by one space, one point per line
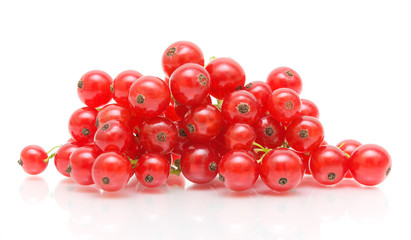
49 157
258 145
53 149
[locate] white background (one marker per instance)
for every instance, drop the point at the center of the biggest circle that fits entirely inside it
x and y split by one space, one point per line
353 57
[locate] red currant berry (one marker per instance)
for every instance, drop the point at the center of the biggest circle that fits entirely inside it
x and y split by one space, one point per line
158 135
116 112
203 122
136 149
328 165
152 170
305 134
261 92
239 136
62 158
82 124
284 77
240 107
81 162
111 171
309 108
180 53
190 84
149 96
269 132
348 146
305 158
281 169
171 114
181 110
284 105
199 163
227 76
370 164
113 136
32 159
121 86
182 138
238 170
93 88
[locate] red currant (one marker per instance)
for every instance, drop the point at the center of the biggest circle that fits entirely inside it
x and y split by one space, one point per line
269 132
348 146
159 135
190 84
240 107
149 96
32 159
152 170
62 157
94 88
281 169
116 112
199 163
284 77
180 53
328 165
82 124
309 108
203 122
370 164
305 134
227 76
239 136
238 170
111 171
121 86
81 162
113 136
284 105
261 91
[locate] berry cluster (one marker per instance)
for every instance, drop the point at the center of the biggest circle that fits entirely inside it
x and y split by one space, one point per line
157 127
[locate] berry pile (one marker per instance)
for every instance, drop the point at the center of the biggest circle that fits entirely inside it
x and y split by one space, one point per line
159 127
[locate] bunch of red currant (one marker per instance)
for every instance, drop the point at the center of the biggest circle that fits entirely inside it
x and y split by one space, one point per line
158 127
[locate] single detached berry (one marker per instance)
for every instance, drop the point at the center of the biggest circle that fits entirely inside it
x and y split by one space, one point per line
158 135
190 84
111 171
203 123
284 77
81 162
227 76
284 105
199 163
149 96
152 170
239 136
94 87
113 136
281 169
180 53
328 165
238 170
121 86
33 159
370 164
82 124
305 134
240 107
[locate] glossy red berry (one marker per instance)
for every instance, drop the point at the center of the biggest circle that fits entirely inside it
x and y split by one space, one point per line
284 77
305 134
171 114
348 146
284 105
82 124
181 110
32 159
238 170
227 76
158 135
81 162
370 164
203 122
116 112
62 157
240 107
149 96
190 84
269 132
308 108
281 169
121 86
180 53
152 170
239 136
182 138
113 136
199 163
111 171
261 91
328 165
93 88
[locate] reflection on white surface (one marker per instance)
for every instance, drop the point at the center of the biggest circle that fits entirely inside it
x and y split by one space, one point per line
210 211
